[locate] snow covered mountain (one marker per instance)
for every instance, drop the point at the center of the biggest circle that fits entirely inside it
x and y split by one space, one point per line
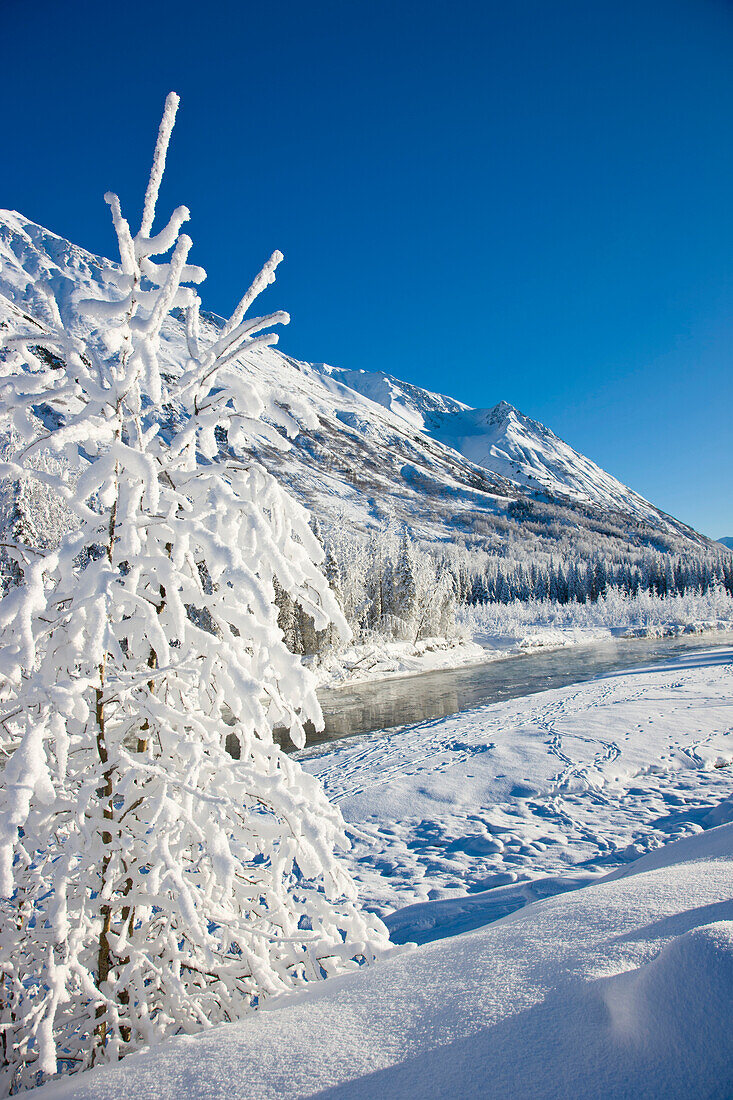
367 448
501 440
413 404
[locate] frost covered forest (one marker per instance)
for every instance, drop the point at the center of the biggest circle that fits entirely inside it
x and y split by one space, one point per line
393 586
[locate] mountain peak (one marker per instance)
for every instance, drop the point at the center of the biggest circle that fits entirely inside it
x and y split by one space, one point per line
503 412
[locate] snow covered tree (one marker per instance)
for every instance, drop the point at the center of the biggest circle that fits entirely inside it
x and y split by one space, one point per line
333 575
287 619
375 581
435 598
404 588
150 883
32 516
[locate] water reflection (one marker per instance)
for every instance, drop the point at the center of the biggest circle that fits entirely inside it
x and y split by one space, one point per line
385 704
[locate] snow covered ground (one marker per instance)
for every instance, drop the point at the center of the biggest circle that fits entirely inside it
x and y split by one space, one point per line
382 660
535 794
372 661
490 640
623 988
492 632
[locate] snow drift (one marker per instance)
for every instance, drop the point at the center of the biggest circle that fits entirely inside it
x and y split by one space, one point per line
621 989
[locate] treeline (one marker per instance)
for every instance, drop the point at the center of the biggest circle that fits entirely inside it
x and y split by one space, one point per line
387 586
582 582
392 587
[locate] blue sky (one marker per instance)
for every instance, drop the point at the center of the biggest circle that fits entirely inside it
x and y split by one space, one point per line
529 201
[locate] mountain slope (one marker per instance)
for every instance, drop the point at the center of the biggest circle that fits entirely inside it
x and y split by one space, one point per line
367 448
501 440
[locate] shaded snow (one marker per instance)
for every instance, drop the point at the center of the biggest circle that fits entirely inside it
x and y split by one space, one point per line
622 989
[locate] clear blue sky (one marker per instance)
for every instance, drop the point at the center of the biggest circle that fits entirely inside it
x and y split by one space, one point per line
529 200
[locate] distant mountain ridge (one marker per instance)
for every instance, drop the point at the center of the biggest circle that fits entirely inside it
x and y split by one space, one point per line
500 439
370 449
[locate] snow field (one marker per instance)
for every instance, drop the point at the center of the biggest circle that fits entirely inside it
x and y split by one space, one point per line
621 989
624 989
518 800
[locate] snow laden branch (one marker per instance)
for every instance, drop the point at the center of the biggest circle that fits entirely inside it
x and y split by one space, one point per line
151 883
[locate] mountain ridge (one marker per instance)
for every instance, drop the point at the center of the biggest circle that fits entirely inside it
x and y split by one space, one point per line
502 440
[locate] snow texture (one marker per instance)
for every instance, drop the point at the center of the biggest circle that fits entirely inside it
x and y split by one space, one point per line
521 794
622 989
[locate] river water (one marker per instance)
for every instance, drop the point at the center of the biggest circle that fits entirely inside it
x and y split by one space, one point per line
385 704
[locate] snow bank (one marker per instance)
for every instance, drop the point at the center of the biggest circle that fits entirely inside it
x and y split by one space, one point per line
491 632
386 660
623 989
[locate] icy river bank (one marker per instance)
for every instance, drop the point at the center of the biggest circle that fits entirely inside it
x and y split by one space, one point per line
410 699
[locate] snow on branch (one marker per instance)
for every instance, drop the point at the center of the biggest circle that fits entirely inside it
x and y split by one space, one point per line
156 174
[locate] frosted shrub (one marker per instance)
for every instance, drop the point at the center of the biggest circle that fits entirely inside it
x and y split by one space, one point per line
613 610
151 884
